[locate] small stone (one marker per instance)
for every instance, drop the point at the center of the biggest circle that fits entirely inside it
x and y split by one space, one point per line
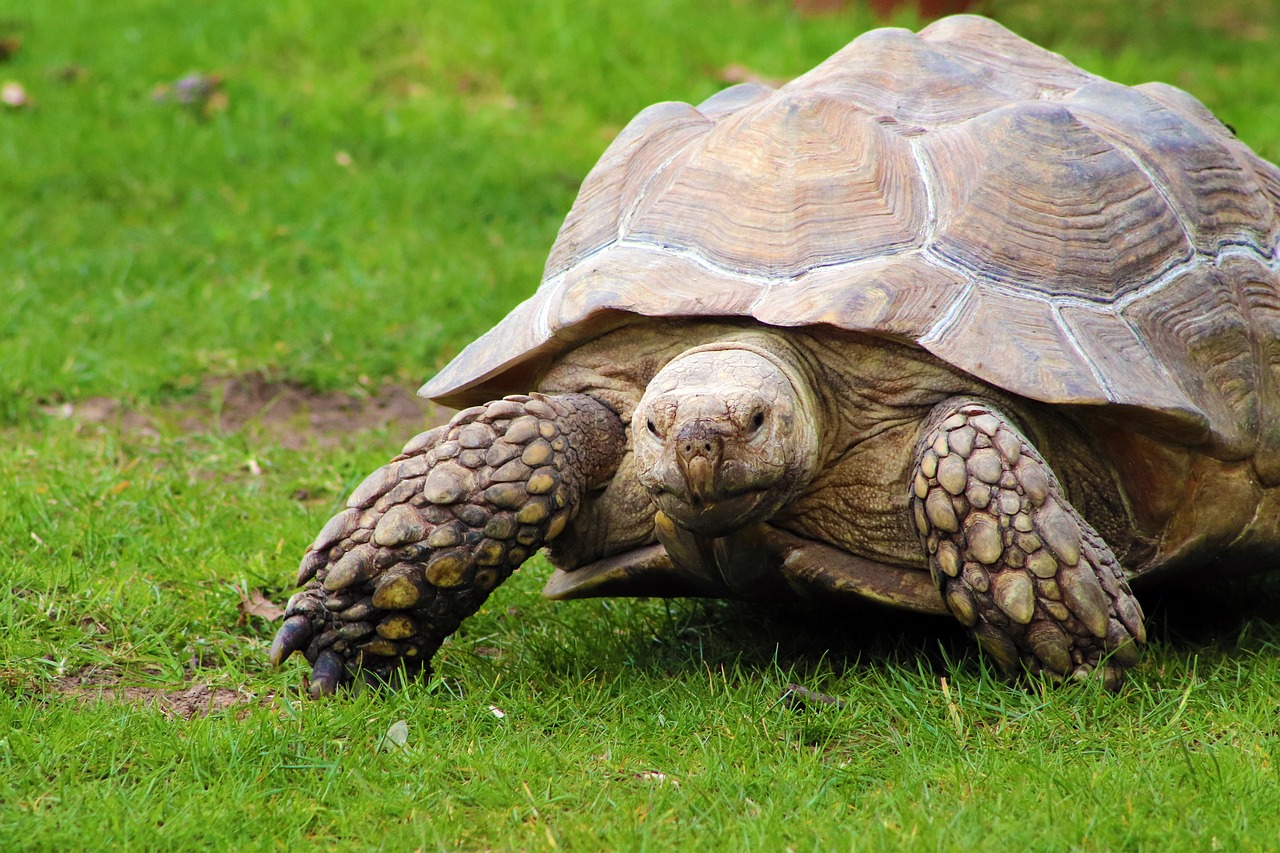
961 441
401 524
514 471
521 430
558 444
1022 522
529 536
372 488
1010 503
501 526
949 558
1059 531
954 422
475 435
486 578
516 556
940 445
1031 476
929 463
952 475
987 423
542 481
448 483
961 605
449 569
547 429
1015 595
1042 564
398 627
978 495
983 538
447 450
506 495
985 465
533 512
1015 558
1081 593
1057 610
1049 588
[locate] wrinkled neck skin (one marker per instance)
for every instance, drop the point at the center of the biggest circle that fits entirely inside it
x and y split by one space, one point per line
728 432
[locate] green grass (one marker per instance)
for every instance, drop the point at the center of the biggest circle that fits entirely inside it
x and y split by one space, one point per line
149 250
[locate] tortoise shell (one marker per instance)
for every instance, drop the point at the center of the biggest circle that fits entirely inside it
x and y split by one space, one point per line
1065 238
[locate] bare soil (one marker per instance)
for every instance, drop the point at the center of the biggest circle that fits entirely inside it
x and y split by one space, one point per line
198 700
283 412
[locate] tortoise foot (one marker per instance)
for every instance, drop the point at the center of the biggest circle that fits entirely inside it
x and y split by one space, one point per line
426 538
1017 565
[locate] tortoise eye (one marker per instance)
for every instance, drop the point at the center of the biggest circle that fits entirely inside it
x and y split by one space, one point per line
653 429
757 421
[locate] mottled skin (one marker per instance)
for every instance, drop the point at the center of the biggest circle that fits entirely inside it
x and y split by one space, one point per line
732 460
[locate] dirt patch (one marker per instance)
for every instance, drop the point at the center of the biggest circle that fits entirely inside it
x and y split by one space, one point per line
198 700
283 412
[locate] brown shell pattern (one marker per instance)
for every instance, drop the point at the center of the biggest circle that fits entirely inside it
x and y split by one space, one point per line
1065 238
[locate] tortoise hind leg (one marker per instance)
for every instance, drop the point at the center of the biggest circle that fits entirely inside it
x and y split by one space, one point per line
426 538
1016 564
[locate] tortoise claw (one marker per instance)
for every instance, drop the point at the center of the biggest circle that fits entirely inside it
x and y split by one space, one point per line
326 674
293 636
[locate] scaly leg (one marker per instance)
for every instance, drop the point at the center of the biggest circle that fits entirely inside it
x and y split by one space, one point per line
1015 562
426 538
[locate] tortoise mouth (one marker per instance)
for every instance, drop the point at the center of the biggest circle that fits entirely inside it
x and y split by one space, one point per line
716 516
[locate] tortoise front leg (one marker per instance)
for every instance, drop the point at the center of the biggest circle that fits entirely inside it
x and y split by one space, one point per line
1015 562
426 538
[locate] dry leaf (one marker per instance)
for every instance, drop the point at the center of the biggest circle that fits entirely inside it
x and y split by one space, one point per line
256 604
9 45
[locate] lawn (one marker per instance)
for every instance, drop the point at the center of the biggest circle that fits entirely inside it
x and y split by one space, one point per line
214 312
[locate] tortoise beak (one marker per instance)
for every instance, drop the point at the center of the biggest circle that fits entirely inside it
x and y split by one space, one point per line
699 452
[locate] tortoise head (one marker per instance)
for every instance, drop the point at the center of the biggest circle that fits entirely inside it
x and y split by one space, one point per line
725 435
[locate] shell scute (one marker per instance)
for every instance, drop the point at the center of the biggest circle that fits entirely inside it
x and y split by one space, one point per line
1067 239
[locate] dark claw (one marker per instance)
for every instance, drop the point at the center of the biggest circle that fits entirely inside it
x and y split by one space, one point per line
293 635
326 674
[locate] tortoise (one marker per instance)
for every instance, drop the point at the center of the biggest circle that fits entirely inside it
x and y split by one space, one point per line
946 323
